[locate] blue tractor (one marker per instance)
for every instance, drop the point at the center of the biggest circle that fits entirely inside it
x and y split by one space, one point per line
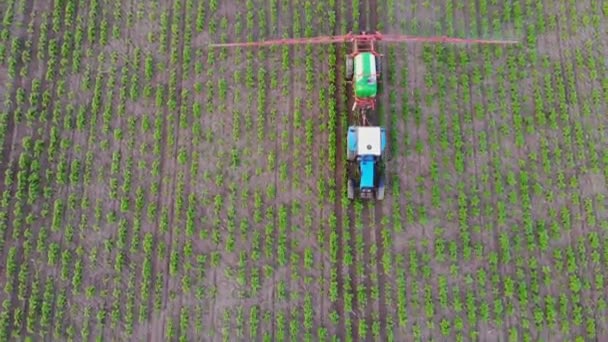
366 147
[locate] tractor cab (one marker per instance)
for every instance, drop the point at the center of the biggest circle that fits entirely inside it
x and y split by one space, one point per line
365 151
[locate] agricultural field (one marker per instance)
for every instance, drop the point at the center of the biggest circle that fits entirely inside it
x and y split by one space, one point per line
156 189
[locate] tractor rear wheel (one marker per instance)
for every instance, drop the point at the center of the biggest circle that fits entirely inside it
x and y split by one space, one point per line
350 68
380 189
378 68
351 189
380 193
385 156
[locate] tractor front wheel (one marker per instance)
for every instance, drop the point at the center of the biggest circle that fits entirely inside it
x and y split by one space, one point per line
351 155
350 68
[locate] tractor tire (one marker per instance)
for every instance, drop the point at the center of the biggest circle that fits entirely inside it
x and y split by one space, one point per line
380 193
378 68
380 190
386 155
351 189
350 68
351 155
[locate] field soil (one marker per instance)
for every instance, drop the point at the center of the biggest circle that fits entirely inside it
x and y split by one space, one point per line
155 188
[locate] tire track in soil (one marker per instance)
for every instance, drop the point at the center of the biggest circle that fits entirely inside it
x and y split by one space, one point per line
371 217
290 284
156 263
343 97
411 102
373 15
352 271
390 173
295 286
277 150
373 213
378 210
414 100
186 170
367 225
178 94
171 165
214 312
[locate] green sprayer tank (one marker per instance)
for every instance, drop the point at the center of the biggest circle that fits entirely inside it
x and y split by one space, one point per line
366 85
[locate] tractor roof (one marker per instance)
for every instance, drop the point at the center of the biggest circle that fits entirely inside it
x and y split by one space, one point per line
369 141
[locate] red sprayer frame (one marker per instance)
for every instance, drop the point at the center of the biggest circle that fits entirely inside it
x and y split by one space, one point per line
365 42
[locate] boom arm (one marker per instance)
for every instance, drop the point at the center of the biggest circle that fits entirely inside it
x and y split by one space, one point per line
289 41
389 38
396 38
